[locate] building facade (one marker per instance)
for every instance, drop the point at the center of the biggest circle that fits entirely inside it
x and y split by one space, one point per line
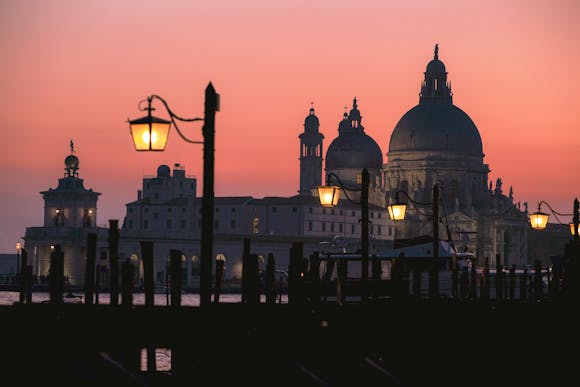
437 143
70 213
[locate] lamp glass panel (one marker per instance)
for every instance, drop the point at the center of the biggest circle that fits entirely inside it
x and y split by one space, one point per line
397 211
328 195
572 228
150 138
539 220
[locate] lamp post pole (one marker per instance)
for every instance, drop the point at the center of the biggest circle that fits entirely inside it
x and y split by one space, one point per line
207 201
576 220
364 199
435 221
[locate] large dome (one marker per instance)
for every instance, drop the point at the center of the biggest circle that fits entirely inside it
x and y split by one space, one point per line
353 150
436 127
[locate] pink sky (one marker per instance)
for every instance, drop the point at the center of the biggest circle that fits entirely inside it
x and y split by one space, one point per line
77 69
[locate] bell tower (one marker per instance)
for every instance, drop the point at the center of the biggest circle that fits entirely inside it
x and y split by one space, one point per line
310 154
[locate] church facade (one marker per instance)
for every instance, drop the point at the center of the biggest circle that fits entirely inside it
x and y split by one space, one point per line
437 143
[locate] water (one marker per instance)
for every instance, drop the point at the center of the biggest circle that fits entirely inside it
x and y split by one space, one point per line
187 299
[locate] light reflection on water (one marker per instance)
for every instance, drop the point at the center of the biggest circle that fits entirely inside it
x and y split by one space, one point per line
187 299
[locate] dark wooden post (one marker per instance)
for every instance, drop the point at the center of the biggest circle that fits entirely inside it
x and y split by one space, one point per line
175 266
245 257
454 279
417 281
376 274
486 280
473 280
364 199
219 272
90 267
434 267
499 283
253 279
22 276
114 260
342 276
211 105
464 281
314 278
270 279
149 284
524 285
28 282
295 293
56 275
538 288
512 282
127 284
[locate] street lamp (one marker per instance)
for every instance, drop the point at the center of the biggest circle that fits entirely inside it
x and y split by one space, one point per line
329 195
150 134
398 209
539 220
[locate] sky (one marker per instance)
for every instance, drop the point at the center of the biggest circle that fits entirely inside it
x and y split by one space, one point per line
74 69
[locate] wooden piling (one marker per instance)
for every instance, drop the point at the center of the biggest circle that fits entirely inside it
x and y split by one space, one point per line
499 282
114 261
90 268
127 284
295 291
219 272
148 282
538 287
56 276
314 278
524 285
21 275
485 280
175 277
28 284
512 282
473 280
417 279
270 279
245 256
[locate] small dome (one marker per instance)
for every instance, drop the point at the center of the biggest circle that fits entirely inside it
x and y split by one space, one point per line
311 123
436 127
163 171
435 67
354 150
71 162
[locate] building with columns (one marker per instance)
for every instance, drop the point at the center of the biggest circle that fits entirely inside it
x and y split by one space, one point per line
437 143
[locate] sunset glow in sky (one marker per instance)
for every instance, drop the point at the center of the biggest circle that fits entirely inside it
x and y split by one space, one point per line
76 70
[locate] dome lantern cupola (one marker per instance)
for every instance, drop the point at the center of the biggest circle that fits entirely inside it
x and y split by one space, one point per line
435 87
71 163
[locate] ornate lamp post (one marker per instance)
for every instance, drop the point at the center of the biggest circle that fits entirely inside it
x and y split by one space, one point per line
329 196
539 219
150 134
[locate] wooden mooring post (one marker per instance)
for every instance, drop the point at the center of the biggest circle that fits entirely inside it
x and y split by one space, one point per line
271 279
90 268
127 283
56 275
114 261
22 275
175 277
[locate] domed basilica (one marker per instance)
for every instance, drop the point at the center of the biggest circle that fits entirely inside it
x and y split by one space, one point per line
434 143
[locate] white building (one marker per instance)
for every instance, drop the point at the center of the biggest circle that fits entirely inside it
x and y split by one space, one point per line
70 213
